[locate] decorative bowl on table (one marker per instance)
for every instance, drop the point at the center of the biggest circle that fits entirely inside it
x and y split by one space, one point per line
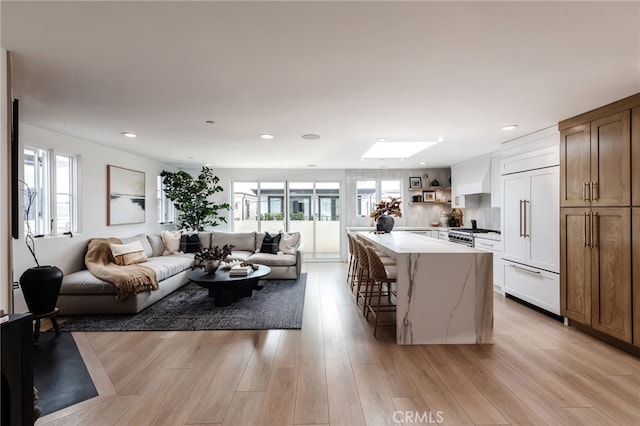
435 223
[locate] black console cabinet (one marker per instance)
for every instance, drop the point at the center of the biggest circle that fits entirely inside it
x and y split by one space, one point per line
17 370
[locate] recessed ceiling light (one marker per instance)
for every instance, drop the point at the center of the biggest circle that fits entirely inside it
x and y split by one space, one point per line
129 134
285 165
312 165
509 127
422 163
210 122
440 138
311 136
266 136
397 149
381 139
402 159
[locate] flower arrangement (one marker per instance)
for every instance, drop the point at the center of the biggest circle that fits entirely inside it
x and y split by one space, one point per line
215 253
390 208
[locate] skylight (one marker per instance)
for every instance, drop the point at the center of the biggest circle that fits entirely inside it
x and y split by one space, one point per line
396 149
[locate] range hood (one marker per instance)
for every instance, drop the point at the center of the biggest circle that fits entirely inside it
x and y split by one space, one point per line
475 176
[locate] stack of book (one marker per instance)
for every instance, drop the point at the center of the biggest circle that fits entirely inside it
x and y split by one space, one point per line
240 271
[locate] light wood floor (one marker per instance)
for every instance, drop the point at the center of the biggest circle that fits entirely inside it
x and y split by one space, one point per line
334 372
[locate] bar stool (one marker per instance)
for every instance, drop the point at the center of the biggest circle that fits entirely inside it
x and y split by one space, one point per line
381 276
362 277
353 267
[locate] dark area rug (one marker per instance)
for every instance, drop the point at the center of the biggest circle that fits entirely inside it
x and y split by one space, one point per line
59 373
278 305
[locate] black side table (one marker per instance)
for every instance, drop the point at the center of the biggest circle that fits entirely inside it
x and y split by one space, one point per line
52 316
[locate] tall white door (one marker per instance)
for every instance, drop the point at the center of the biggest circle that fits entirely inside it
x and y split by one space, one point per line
515 195
543 219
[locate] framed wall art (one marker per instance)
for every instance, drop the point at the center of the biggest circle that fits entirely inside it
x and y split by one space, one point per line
126 192
429 196
415 183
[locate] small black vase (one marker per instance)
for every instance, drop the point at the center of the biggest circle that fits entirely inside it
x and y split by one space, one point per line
385 223
41 286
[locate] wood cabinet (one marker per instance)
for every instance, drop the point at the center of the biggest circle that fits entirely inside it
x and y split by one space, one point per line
635 158
575 264
596 159
596 263
635 250
599 168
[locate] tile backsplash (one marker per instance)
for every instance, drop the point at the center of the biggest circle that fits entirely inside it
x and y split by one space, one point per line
478 207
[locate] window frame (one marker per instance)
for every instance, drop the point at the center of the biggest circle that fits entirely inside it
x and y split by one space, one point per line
46 177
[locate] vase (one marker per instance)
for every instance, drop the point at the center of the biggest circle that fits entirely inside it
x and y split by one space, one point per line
211 265
385 223
41 287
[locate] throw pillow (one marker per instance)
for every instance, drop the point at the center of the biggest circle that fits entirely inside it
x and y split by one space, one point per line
128 254
190 243
270 243
171 242
289 242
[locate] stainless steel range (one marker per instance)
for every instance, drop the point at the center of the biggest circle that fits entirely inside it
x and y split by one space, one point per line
464 236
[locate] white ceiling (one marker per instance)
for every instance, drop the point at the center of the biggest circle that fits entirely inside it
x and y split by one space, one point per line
348 71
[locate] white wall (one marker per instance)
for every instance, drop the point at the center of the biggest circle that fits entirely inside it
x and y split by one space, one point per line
65 252
5 190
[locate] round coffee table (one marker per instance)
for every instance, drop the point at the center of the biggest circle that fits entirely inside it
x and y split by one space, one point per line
226 289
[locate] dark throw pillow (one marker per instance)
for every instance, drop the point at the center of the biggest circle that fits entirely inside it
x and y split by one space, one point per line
270 244
190 243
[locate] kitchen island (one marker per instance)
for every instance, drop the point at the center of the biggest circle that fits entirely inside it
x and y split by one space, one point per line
445 290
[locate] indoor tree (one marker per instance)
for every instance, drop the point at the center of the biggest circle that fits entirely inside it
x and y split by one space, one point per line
191 197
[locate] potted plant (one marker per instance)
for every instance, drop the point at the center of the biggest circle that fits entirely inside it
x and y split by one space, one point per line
384 212
40 284
191 197
210 258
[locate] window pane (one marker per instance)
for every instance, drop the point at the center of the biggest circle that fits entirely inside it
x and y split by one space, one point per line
389 188
245 206
35 191
63 213
272 207
365 197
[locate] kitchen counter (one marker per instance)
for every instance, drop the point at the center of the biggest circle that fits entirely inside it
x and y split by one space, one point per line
445 290
400 228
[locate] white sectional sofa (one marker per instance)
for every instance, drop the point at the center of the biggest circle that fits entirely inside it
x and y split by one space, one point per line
83 293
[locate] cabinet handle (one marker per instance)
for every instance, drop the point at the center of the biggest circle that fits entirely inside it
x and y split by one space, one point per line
592 193
585 187
525 219
586 217
594 223
519 268
520 218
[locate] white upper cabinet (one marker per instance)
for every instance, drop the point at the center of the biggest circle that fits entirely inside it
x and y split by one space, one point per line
496 181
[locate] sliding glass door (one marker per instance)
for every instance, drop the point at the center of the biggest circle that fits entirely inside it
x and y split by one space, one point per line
314 211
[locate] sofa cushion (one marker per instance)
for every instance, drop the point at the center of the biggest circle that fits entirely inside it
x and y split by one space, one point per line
190 243
171 242
273 259
270 243
148 250
239 255
205 239
157 246
289 242
168 266
242 241
128 254
84 282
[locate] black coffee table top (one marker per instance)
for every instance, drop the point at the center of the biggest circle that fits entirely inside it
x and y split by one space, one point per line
200 276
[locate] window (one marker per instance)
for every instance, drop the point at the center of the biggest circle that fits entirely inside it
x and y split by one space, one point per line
367 193
50 192
166 209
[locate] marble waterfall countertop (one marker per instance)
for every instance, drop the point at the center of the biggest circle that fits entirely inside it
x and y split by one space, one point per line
445 290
